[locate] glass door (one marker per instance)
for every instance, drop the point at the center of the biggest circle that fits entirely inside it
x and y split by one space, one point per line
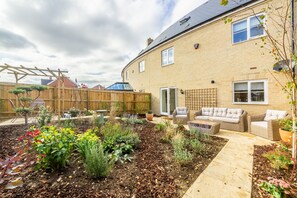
168 100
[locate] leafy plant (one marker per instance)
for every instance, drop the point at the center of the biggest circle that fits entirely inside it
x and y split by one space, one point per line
54 147
74 112
134 120
87 112
196 145
97 163
287 124
276 187
85 140
279 158
68 123
181 154
160 126
44 116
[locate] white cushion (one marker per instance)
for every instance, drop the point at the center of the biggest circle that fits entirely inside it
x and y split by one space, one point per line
262 124
201 117
234 113
219 112
207 111
181 110
274 115
181 116
224 119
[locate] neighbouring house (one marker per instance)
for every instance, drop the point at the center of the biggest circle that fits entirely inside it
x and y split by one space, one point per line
120 86
202 61
68 83
99 87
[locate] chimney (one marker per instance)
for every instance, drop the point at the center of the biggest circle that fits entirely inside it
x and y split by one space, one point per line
149 41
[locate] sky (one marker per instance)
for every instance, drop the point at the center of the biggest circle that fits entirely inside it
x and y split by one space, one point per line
93 40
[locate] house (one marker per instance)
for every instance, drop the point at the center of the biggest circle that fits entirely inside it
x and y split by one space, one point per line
99 87
120 86
202 61
68 83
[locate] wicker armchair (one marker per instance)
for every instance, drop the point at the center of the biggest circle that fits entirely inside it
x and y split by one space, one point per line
181 115
267 125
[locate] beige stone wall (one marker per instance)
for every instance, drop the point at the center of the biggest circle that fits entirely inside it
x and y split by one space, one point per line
216 59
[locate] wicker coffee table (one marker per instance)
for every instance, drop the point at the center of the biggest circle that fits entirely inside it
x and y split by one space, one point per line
205 126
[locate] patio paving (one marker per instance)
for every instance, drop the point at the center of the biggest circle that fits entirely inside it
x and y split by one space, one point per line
230 173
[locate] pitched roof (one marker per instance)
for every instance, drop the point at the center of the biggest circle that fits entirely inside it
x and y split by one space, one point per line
206 12
67 83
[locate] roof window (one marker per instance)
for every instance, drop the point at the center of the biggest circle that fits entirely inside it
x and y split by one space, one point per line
184 20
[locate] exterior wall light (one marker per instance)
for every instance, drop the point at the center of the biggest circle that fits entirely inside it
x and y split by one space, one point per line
182 91
212 81
196 45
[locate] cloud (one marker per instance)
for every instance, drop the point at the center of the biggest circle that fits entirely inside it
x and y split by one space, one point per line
10 40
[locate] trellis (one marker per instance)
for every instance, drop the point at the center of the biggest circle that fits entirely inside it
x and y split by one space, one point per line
21 72
195 99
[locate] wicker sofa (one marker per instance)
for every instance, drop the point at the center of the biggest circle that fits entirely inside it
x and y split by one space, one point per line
230 119
181 115
267 125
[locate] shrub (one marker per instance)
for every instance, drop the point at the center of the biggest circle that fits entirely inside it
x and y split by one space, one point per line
194 133
74 112
54 147
160 127
276 187
85 140
68 123
279 158
181 154
170 132
44 116
97 163
196 145
134 120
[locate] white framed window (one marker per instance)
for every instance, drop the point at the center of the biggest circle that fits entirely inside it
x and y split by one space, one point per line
141 66
250 92
127 75
167 56
249 28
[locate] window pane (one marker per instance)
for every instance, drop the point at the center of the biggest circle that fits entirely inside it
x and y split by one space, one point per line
170 55
241 92
257 86
164 57
257 92
256 28
241 97
239 87
240 31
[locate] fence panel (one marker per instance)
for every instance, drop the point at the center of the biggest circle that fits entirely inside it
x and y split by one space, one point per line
91 99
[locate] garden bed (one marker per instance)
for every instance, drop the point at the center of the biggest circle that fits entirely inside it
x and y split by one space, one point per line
262 170
152 172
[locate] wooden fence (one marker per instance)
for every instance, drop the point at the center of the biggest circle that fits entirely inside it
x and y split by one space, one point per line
130 102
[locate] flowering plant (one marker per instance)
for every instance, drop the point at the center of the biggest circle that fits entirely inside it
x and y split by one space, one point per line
276 187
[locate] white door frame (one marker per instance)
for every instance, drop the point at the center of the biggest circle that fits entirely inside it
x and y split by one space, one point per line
168 99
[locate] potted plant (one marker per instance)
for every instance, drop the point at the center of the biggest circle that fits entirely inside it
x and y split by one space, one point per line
149 115
285 130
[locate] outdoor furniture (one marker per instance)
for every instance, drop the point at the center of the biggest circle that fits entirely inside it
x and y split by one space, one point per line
181 115
267 125
230 119
205 126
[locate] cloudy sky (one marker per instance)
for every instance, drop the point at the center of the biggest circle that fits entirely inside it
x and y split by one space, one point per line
91 39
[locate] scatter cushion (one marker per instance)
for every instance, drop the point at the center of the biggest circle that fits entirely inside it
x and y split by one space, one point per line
201 117
181 110
219 112
274 115
207 111
234 113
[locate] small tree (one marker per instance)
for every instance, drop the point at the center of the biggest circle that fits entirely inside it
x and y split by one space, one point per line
24 100
279 43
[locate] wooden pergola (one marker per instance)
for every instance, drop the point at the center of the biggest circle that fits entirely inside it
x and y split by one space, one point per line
21 72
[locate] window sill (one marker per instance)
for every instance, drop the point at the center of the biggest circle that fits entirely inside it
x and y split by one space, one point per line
250 103
167 65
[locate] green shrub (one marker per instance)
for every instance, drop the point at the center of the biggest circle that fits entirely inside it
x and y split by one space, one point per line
181 154
74 112
97 163
68 123
276 187
44 116
134 120
279 159
194 133
54 147
196 145
160 127
85 140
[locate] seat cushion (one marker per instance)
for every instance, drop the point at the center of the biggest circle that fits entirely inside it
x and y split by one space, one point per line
207 111
260 128
219 112
262 124
181 116
234 113
274 115
181 110
224 119
201 117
